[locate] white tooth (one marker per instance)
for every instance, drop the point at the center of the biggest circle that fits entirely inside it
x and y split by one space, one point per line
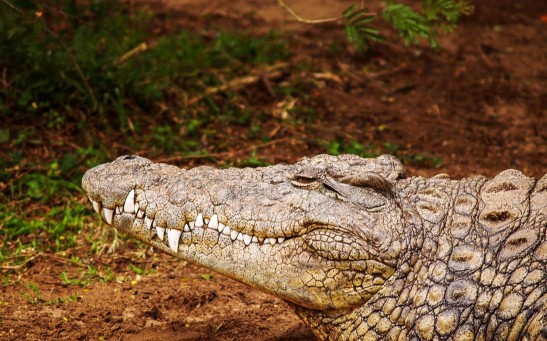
154 223
272 241
118 211
186 228
247 239
160 231
226 230
129 205
108 213
260 239
220 227
90 200
199 221
148 222
173 237
140 214
97 206
240 236
254 239
206 221
280 240
213 223
191 225
233 234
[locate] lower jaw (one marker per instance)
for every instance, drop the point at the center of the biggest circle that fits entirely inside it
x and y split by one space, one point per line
169 240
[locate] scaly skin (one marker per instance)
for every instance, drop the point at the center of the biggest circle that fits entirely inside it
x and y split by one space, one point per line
359 250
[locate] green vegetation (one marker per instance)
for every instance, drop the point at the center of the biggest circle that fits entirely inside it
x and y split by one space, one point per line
435 17
33 294
104 64
139 270
90 69
341 146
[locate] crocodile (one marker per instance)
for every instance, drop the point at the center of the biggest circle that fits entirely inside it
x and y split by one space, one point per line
357 248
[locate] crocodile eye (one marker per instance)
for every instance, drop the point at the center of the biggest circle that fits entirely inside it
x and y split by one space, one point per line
129 157
302 180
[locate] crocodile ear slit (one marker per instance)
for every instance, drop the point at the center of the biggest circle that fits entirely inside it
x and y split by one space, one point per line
370 180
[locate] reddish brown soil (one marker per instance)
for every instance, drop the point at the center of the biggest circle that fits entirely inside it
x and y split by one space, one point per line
480 104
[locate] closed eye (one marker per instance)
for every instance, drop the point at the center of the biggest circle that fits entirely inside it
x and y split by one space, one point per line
301 180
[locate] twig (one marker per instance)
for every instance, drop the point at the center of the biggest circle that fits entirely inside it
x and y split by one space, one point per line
217 155
304 20
485 58
238 83
133 52
13 7
17 267
268 86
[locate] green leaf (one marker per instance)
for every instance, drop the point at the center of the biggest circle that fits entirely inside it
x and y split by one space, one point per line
357 32
205 276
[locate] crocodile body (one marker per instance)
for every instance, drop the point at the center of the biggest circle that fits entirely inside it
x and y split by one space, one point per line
358 249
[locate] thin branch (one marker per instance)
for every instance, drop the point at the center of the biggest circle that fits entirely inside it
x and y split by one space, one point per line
133 52
222 154
13 7
271 72
304 20
19 266
76 65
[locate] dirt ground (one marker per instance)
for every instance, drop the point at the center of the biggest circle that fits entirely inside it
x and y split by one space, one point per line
480 105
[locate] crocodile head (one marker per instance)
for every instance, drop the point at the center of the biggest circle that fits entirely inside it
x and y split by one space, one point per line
324 233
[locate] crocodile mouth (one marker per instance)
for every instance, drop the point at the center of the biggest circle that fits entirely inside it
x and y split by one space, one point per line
163 234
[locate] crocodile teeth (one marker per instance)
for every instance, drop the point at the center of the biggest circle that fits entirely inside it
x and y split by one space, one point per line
260 239
118 210
220 227
226 230
108 214
186 228
140 214
148 222
173 237
254 239
129 205
233 234
160 231
239 236
97 206
272 240
199 221
247 239
213 223
280 240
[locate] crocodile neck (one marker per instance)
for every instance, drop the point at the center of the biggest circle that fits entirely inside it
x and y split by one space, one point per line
457 266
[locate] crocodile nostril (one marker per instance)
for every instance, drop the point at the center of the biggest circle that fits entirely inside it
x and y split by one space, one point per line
129 157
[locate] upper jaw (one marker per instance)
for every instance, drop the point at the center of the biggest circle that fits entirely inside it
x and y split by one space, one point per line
158 228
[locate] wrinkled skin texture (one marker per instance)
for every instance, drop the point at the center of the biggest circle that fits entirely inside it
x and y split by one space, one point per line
358 249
